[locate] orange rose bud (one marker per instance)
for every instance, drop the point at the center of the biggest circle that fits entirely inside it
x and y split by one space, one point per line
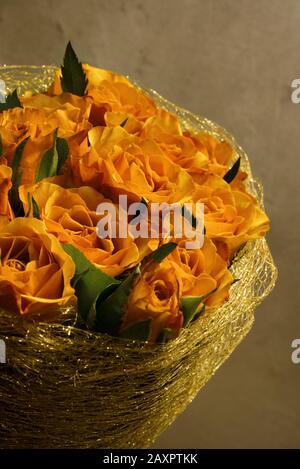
156 296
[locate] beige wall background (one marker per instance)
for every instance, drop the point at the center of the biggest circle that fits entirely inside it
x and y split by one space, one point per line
232 61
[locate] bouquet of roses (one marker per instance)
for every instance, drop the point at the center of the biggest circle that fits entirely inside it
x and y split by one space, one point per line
124 223
93 174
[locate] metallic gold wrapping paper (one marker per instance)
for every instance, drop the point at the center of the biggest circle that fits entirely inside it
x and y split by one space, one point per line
66 388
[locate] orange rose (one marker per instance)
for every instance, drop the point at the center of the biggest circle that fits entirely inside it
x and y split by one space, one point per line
70 215
203 271
35 272
219 152
157 293
156 296
200 155
116 162
122 98
232 217
38 120
111 92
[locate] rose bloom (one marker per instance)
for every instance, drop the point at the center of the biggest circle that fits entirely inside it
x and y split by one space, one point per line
157 293
35 272
116 162
38 120
111 92
217 151
198 154
156 296
203 272
231 216
122 98
70 215
6 213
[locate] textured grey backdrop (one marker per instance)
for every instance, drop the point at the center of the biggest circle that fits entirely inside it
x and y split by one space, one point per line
232 61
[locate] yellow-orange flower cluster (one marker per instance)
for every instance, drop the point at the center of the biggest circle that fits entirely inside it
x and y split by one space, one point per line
120 143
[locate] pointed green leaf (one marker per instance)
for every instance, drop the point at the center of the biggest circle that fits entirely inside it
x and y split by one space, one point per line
163 251
189 216
17 158
62 148
189 306
89 283
82 264
73 79
230 175
140 330
11 102
14 193
123 123
49 162
197 315
29 205
110 311
236 280
16 174
35 209
53 159
165 335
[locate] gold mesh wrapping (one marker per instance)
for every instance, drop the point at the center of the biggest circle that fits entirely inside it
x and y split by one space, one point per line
65 387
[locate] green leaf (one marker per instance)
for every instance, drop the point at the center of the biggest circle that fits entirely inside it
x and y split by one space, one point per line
163 251
16 174
189 306
29 205
144 201
236 280
110 311
53 159
165 335
73 79
82 264
230 175
35 209
202 310
140 330
17 158
123 123
49 162
188 215
11 102
89 283
62 148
